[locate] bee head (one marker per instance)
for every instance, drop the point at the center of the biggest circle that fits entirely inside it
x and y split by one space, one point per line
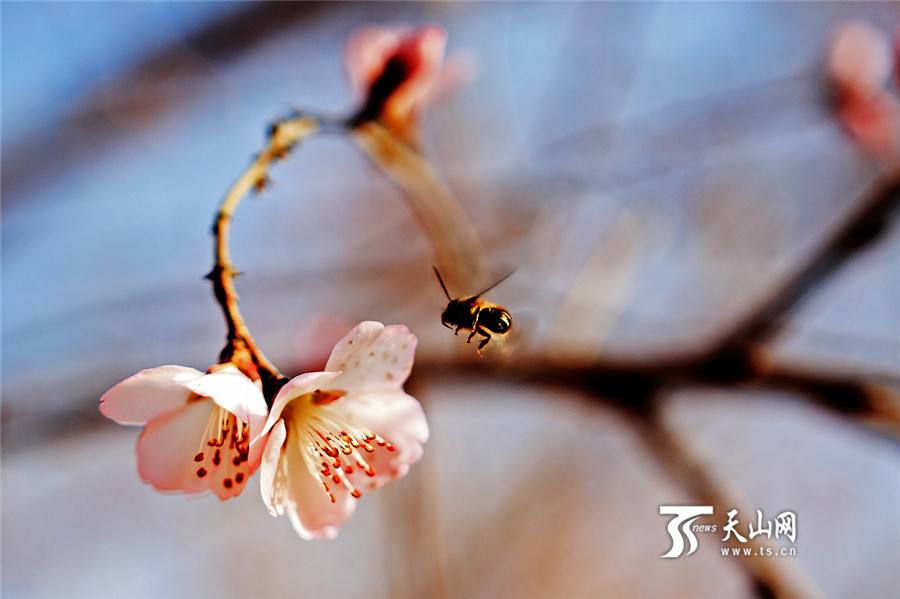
452 315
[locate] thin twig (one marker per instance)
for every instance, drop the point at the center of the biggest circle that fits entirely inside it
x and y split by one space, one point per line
861 228
457 250
240 347
779 578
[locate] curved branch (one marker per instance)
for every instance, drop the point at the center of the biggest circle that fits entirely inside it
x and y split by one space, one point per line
457 250
240 348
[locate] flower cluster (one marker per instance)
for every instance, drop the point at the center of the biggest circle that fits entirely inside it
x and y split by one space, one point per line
329 436
322 439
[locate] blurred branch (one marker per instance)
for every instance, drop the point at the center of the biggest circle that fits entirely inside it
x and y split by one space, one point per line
629 385
414 512
779 578
866 223
457 250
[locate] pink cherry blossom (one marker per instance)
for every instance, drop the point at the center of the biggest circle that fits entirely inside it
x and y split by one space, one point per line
198 427
860 58
397 71
860 65
333 435
315 337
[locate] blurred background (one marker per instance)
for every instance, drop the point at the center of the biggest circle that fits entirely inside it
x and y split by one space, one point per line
652 170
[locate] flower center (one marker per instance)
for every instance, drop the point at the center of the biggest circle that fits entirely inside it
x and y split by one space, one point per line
333 448
224 446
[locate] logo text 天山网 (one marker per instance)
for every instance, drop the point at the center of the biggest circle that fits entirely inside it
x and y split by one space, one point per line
684 526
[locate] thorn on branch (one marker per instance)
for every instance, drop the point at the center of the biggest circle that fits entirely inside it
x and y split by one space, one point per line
219 269
262 183
280 151
276 125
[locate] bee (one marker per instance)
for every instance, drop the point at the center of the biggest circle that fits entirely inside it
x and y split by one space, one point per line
475 314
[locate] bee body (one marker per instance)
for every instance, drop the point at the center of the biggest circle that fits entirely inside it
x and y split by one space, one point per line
477 315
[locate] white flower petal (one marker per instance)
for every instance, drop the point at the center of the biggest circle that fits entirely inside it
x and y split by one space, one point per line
373 357
147 394
234 392
269 466
303 499
366 54
167 445
399 419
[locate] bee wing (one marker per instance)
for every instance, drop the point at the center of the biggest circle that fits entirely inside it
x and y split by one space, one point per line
494 284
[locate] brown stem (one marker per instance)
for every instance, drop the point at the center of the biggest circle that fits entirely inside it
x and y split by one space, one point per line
628 384
457 250
240 348
781 579
867 223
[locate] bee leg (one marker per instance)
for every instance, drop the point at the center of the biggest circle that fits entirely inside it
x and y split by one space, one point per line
484 342
474 326
456 332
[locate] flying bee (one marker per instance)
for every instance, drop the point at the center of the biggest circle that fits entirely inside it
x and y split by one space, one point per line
475 314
